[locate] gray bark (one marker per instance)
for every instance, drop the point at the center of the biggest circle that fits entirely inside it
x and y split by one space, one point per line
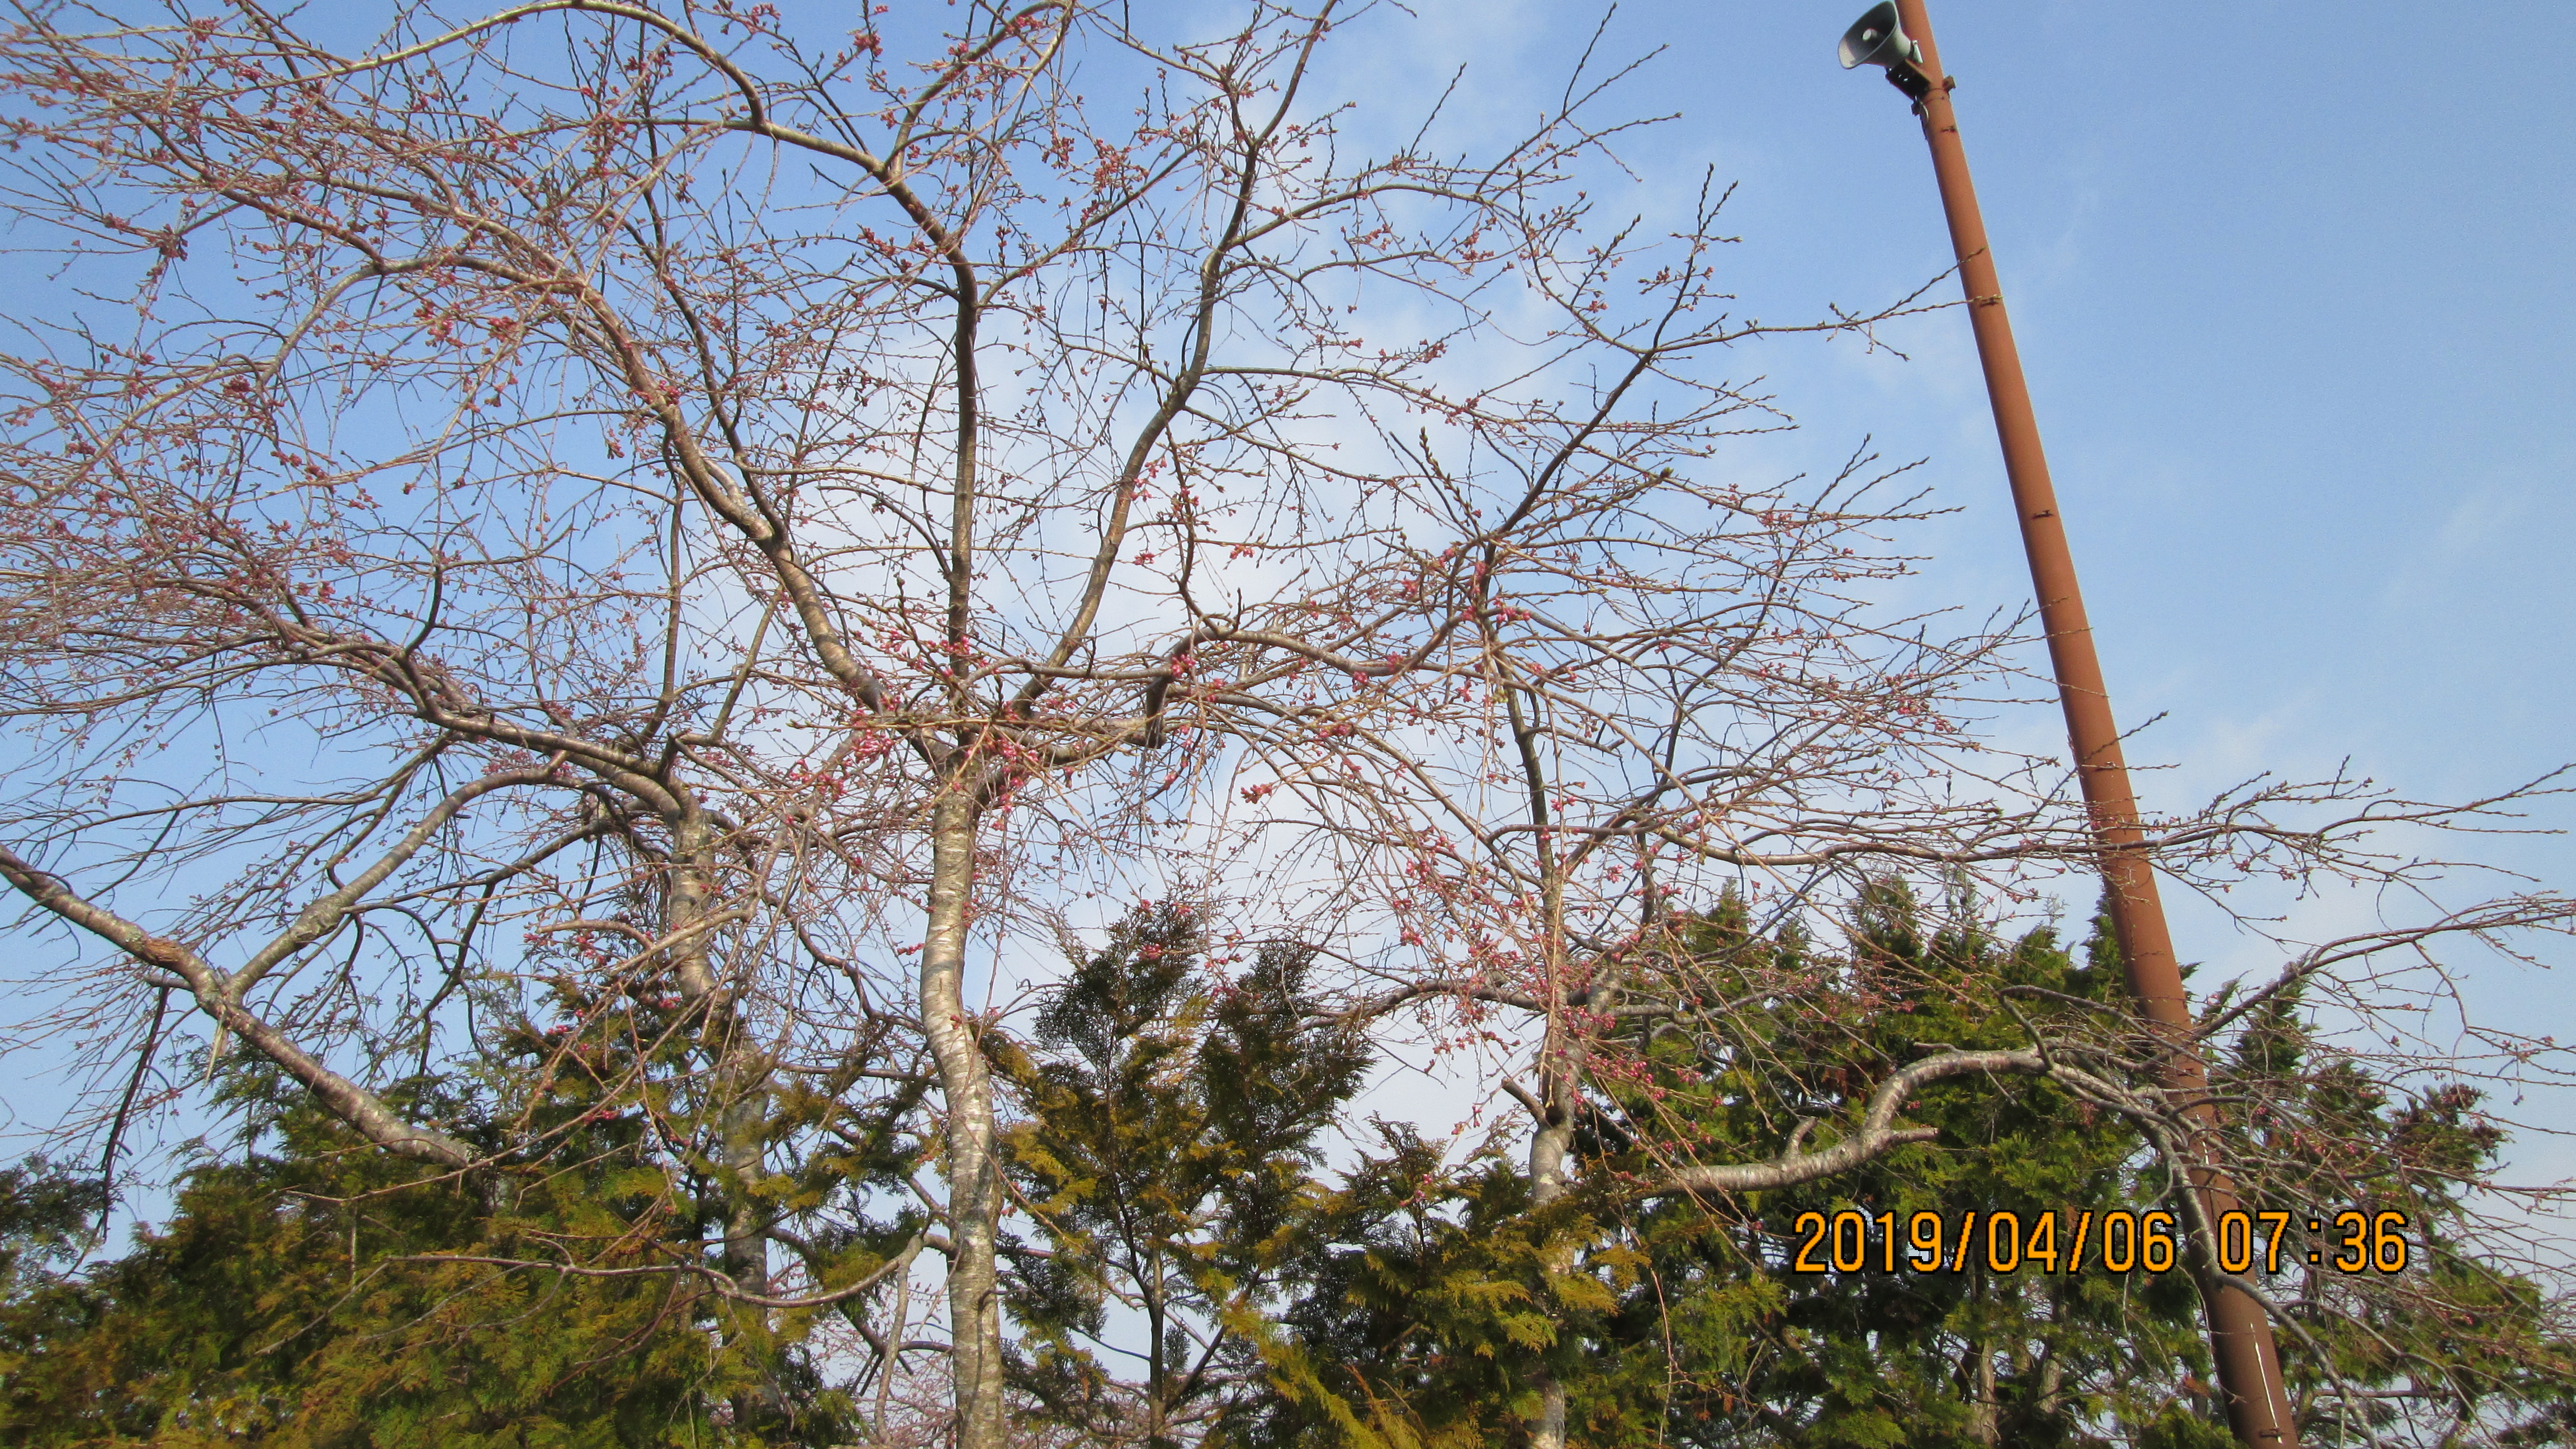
974 1171
1878 1133
1564 1051
213 989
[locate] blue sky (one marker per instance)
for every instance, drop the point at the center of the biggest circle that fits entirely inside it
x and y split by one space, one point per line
2292 287
2292 283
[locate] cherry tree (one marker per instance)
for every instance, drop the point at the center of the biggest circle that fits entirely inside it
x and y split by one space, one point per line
726 534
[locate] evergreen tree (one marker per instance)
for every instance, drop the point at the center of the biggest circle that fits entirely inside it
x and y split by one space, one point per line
307 1292
2458 1347
1945 1358
1174 1123
1430 1297
1194 1274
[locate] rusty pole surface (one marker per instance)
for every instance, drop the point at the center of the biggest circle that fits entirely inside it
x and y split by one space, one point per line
2249 1365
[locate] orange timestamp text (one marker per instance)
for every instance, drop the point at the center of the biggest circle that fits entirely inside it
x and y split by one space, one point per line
2070 1241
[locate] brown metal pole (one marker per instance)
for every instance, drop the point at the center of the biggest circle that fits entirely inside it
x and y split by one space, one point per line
2249 1366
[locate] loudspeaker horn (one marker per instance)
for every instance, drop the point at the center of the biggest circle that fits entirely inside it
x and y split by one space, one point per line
1878 39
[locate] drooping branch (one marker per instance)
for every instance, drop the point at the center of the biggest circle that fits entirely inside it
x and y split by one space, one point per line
212 989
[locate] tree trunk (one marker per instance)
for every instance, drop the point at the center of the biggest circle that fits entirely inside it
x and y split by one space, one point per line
1548 1147
1983 1426
974 1175
1561 1053
738 1092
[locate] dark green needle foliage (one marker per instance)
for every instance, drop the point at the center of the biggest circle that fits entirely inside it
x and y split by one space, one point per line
1430 1293
1192 1272
1437 1290
2037 1357
310 1291
2457 1348
1174 1122
1973 1357
45 1216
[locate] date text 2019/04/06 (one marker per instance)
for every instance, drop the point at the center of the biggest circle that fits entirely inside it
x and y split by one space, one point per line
2072 1241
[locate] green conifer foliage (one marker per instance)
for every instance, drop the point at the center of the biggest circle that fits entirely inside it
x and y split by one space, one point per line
2457 1348
1426 1302
1173 1125
309 1292
1924 1359
1196 1272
